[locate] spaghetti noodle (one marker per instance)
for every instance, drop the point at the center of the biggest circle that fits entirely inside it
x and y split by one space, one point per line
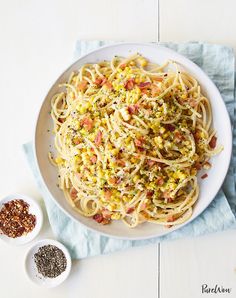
131 137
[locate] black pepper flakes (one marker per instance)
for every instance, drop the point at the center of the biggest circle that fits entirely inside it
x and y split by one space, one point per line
50 261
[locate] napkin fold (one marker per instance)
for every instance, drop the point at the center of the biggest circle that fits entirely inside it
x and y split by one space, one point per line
218 62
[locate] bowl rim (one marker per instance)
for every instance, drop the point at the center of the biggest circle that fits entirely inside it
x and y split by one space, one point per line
211 84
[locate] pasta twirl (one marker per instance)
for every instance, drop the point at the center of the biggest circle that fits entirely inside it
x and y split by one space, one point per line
131 137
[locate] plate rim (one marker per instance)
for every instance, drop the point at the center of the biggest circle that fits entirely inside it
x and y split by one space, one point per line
227 119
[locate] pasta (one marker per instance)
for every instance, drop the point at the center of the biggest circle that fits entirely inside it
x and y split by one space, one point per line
130 138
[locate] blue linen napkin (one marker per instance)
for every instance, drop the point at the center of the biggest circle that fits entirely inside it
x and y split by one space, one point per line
218 62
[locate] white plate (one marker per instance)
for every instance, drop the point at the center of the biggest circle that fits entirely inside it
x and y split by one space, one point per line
34 209
31 269
208 187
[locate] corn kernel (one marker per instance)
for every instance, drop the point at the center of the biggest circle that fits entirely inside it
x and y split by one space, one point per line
142 61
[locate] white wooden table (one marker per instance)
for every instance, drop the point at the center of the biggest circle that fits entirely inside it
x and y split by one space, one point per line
37 40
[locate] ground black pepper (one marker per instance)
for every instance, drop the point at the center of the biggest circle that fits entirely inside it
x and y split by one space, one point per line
50 261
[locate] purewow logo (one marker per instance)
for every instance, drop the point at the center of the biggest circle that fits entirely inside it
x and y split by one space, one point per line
216 289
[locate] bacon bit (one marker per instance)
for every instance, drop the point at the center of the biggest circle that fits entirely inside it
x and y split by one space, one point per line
178 136
198 166
170 127
196 135
171 218
170 200
150 193
73 193
144 85
158 79
93 159
204 176
154 90
113 180
139 142
120 162
106 214
108 85
151 163
212 142
87 123
159 181
169 226
61 120
133 109
130 210
98 217
82 85
107 195
98 81
193 103
123 66
104 80
98 138
129 84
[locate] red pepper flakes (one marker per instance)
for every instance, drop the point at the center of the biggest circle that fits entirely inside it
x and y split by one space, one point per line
15 219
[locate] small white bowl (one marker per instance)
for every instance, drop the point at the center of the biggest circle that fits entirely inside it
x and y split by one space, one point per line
34 209
31 269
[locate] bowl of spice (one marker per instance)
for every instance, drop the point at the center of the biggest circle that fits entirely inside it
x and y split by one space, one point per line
21 219
48 263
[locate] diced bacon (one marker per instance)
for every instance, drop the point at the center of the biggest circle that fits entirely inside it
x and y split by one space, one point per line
170 127
157 79
108 85
82 86
179 137
123 66
169 226
61 120
154 90
107 195
130 210
106 214
171 218
93 159
150 193
87 123
98 217
73 193
144 85
198 166
139 142
193 103
204 176
98 138
212 142
133 109
112 180
159 181
104 80
129 84
120 162
151 163
98 81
